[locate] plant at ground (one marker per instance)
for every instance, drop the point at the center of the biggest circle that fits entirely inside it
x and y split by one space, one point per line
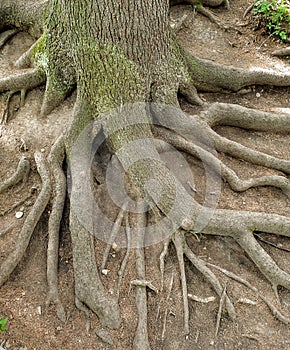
3 324
275 16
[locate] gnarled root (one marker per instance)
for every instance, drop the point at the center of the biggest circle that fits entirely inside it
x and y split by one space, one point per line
32 219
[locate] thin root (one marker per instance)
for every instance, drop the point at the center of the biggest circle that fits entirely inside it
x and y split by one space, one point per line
17 204
6 114
7 229
219 314
276 313
113 235
162 261
179 242
21 173
126 257
166 311
200 265
31 221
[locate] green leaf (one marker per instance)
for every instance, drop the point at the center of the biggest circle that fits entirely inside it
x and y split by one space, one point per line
3 324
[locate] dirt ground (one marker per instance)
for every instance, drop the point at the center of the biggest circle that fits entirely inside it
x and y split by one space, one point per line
22 299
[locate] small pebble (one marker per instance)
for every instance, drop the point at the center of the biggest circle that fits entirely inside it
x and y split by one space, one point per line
258 94
19 214
105 272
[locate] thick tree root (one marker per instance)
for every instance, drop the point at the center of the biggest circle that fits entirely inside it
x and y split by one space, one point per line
263 261
26 80
88 285
55 161
32 219
6 36
219 167
20 174
54 96
246 118
214 77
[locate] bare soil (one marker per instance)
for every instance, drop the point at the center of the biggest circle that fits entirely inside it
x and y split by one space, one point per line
22 298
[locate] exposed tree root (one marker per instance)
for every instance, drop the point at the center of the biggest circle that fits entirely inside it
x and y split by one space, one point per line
20 202
263 261
214 77
166 311
25 80
93 294
55 161
113 236
200 265
20 174
246 118
248 9
54 96
219 314
89 290
219 167
6 114
126 257
282 52
276 313
178 241
214 19
7 36
258 236
32 219
26 59
162 261
6 230
234 277
198 6
141 340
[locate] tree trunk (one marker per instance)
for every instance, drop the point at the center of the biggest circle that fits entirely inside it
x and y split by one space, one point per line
117 53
